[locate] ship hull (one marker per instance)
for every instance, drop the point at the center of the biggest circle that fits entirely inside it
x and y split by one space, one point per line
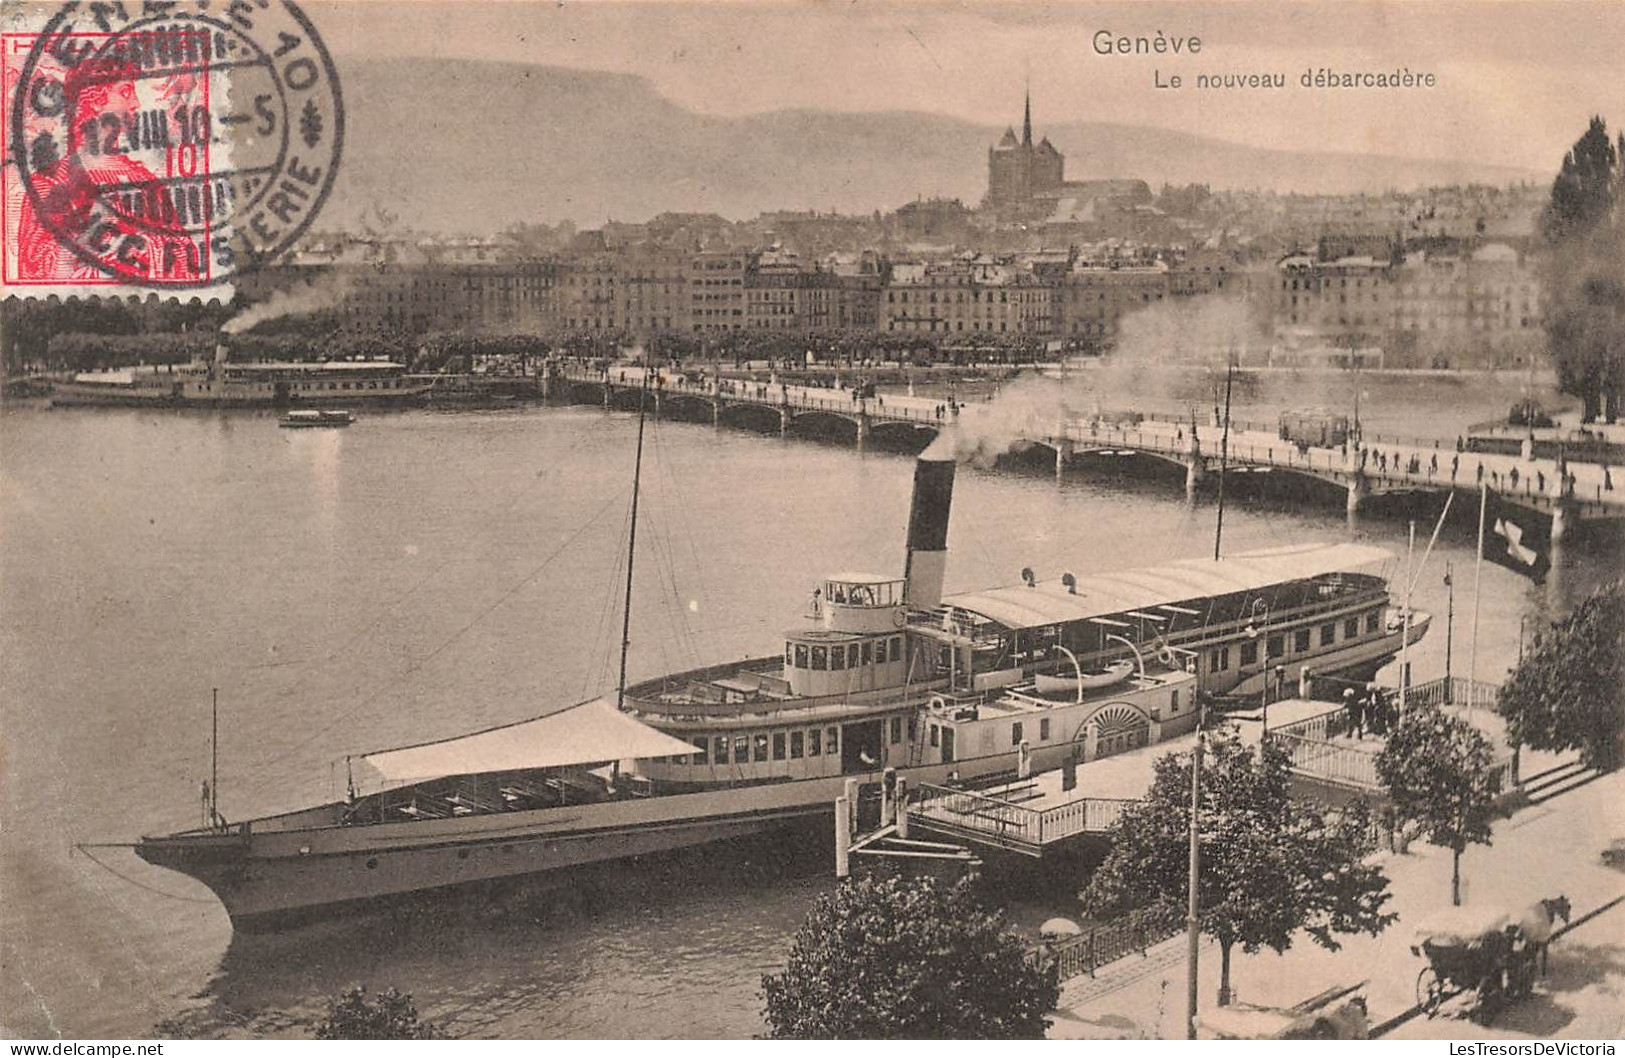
263 878
271 870
68 394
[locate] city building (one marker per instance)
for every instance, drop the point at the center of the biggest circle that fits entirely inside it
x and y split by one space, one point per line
976 296
1092 298
1326 310
716 282
1477 309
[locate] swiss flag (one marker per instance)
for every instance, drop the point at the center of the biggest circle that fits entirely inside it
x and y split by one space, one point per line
1517 537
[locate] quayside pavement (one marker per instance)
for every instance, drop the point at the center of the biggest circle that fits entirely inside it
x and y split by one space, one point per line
1543 850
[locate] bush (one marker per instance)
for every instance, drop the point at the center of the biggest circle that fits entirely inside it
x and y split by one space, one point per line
895 958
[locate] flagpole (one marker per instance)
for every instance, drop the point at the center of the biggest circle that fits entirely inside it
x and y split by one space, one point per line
1405 627
1224 461
1478 575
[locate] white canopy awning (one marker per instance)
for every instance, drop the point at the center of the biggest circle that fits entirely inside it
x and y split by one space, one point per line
590 733
1103 595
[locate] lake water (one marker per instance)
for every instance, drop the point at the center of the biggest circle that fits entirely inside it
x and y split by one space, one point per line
422 574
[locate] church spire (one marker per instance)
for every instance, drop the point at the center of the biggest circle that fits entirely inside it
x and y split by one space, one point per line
1027 121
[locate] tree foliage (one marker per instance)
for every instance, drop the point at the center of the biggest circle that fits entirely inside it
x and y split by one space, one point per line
1583 227
1437 769
388 1016
898 958
1271 865
1569 692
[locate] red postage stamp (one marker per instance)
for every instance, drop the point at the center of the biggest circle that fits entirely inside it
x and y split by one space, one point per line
118 160
161 146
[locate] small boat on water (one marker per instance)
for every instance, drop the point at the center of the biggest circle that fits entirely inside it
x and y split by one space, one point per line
304 418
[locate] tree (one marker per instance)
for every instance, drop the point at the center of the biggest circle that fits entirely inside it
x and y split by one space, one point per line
1271 865
1437 771
898 958
1569 692
389 1016
1583 228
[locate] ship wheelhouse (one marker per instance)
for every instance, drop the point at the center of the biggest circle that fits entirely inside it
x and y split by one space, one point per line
838 701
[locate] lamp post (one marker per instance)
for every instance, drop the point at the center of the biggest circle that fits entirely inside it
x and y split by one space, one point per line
1256 635
1450 620
1523 623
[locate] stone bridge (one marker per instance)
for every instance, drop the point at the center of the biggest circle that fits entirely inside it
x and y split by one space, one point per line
1381 466
912 422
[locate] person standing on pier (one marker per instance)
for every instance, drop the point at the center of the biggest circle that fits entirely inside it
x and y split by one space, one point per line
1354 707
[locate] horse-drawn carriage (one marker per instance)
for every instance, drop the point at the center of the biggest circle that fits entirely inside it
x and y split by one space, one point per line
1338 1013
1492 953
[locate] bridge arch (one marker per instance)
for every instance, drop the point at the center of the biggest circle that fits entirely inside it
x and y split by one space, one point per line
823 424
693 407
626 399
902 435
763 418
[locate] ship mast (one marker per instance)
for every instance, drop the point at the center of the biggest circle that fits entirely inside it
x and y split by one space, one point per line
631 542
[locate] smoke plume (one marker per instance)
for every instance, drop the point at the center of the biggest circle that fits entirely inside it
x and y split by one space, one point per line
1167 358
296 300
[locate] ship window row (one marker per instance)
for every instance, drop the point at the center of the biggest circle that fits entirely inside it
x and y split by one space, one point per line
1018 732
756 748
387 384
853 655
1275 645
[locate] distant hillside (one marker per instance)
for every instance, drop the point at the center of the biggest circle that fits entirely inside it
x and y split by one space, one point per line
469 146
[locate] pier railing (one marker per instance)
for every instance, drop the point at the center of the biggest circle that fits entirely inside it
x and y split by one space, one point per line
1090 815
1331 761
1010 824
1088 951
1453 690
1320 727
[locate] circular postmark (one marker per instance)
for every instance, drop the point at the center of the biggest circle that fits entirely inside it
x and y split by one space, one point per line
172 144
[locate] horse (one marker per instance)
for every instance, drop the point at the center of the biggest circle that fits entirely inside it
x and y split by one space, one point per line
1539 921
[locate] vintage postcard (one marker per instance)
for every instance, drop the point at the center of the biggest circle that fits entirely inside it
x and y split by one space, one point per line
795 520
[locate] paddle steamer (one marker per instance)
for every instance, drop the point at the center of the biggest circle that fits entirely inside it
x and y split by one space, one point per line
882 672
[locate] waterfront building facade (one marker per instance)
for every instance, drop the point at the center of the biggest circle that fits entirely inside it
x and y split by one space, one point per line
978 296
1093 298
1477 309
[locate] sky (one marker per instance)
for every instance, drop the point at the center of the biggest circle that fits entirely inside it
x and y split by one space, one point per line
1516 82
